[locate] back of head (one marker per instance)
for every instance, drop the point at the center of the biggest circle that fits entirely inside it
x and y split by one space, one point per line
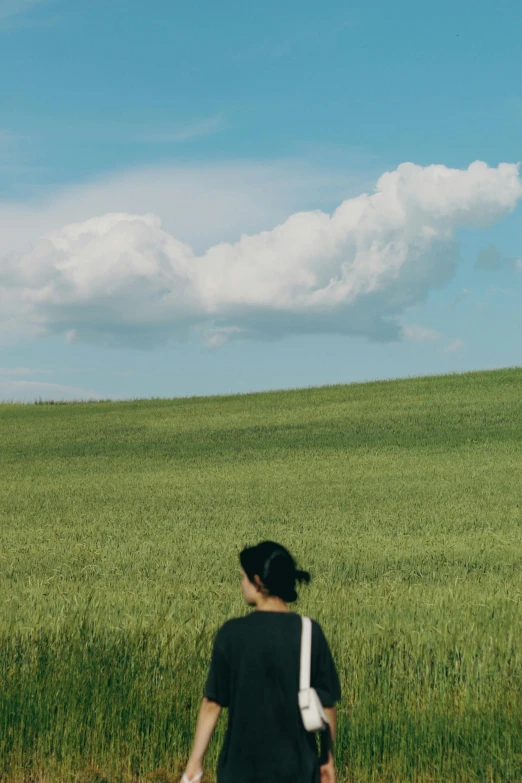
275 567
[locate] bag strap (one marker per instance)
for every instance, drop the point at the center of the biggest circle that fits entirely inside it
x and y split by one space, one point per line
306 653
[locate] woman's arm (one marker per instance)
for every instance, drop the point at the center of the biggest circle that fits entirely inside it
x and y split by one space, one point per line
208 716
328 769
331 714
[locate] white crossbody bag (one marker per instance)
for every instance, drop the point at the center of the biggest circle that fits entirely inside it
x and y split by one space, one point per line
314 717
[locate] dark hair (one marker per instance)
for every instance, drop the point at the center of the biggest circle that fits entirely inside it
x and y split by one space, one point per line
275 566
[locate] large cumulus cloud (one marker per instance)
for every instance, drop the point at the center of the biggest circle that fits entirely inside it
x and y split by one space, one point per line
122 278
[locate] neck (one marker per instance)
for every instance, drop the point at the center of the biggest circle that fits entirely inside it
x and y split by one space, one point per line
270 603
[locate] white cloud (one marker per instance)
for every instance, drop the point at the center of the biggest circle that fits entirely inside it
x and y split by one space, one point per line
122 278
199 204
16 322
28 391
454 345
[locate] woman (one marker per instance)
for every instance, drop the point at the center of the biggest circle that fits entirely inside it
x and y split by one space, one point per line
254 672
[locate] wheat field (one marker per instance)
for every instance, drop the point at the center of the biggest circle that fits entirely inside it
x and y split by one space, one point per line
120 528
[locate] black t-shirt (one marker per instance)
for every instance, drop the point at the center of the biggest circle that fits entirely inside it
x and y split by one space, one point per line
254 672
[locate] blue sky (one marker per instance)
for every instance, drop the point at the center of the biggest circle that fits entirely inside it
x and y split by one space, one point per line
227 119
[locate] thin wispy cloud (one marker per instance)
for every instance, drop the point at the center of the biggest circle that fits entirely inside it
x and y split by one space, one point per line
304 39
14 153
454 345
513 105
268 50
23 372
492 258
7 141
14 372
419 334
76 370
193 130
462 296
16 8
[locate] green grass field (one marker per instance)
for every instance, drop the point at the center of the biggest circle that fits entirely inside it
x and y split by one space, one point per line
120 527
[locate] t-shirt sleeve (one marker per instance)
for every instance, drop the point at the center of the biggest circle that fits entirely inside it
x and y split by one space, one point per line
324 677
217 687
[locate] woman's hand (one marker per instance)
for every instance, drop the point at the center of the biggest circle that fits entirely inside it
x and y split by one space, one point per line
328 771
194 770
207 719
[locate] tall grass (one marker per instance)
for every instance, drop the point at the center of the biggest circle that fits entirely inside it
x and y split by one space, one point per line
120 525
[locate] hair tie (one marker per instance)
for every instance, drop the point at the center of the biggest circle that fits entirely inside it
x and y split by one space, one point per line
274 554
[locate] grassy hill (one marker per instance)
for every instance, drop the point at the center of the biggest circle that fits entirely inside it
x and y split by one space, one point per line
120 526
